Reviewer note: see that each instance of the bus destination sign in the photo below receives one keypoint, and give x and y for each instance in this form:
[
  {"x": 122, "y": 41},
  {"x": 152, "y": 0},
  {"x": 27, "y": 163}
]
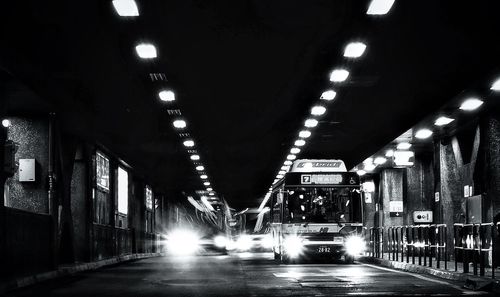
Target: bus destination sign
[{"x": 321, "y": 179}]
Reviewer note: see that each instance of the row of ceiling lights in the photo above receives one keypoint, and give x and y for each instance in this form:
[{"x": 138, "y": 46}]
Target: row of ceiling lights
[
  {"x": 353, "y": 50},
  {"x": 128, "y": 8},
  {"x": 402, "y": 154}
]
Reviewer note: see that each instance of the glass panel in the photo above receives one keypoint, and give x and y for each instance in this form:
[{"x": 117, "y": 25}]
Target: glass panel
[
  {"x": 149, "y": 198},
  {"x": 323, "y": 205},
  {"x": 122, "y": 191},
  {"x": 102, "y": 171}
]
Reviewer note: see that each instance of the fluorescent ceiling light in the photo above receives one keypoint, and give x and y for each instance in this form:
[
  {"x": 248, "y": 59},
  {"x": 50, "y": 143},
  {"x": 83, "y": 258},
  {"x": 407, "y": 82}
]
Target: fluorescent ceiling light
[
  {"x": 126, "y": 8},
  {"x": 282, "y": 172},
  {"x": 211, "y": 194},
  {"x": 380, "y": 160},
  {"x": 206, "y": 183},
  {"x": 287, "y": 163},
  {"x": 471, "y": 104},
  {"x": 328, "y": 95},
  {"x": 389, "y": 153},
  {"x": 146, "y": 51},
  {"x": 285, "y": 168},
  {"x": 203, "y": 176},
  {"x": 200, "y": 168},
  {"x": 279, "y": 176},
  {"x": 361, "y": 172},
  {"x": 379, "y": 7},
  {"x": 179, "y": 124},
  {"x": 496, "y": 86},
  {"x": 354, "y": 50},
  {"x": 311, "y": 123},
  {"x": 304, "y": 134},
  {"x": 210, "y": 189},
  {"x": 300, "y": 142},
  {"x": 423, "y": 134},
  {"x": 402, "y": 158},
  {"x": 188, "y": 143},
  {"x": 291, "y": 157},
  {"x": 6, "y": 123},
  {"x": 369, "y": 167},
  {"x": 368, "y": 160},
  {"x": 318, "y": 110},
  {"x": 294, "y": 150},
  {"x": 339, "y": 75},
  {"x": 195, "y": 157},
  {"x": 403, "y": 145},
  {"x": 443, "y": 121},
  {"x": 166, "y": 95}
]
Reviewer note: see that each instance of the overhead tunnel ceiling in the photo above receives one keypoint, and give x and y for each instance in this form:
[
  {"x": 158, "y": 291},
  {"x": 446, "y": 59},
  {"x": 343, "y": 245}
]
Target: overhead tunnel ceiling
[{"x": 245, "y": 74}]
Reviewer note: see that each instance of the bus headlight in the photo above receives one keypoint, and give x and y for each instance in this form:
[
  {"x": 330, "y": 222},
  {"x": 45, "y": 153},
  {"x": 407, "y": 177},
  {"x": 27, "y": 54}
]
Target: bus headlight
[
  {"x": 220, "y": 241},
  {"x": 293, "y": 246},
  {"x": 267, "y": 241},
  {"x": 244, "y": 243},
  {"x": 354, "y": 245},
  {"x": 182, "y": 242}
]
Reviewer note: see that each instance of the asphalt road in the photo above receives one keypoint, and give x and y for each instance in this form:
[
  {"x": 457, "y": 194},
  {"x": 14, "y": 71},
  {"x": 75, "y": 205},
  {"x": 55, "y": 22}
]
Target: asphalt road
[{"x": 243, "y": 275}]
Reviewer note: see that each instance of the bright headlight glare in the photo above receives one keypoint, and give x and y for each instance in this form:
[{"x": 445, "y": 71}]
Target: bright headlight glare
[
  {"x": 244, "y": 243},
  {"x": 293, "y": 246},
  {"x": 354, "y": 245},
  {"x": 182, "y": 242},
  {"x": 267, "y": 241},
  {"x": 220, "y": 241}
]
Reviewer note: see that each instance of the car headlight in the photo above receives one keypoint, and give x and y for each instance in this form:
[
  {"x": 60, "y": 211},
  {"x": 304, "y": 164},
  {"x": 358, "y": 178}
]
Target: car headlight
[
  {"x": 354, "y": 245},
  {"x": 182, "y": 242},
  {"x": 244, "y": 243},
  {"x": 293, "y": 246},
  {"x": 220, "y": 241}
]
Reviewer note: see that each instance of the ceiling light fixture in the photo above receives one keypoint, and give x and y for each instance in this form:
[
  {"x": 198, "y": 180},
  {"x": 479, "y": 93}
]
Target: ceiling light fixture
[
  {"x": 195, "y": 157},
  {"x": 496, "y": 86},
  {"x": 318, "y": 110},
  {"x": 146, "y": 51},
  {"x": 210, "y": 189},
  {"x": 389, "y": 153},
  {"x": 294, "y": 150},
  {"x": 354, "y": 50},
  {"x": 167, "y": 96},
  {"x": 287, "y": 163},
  {"x": 304, "y": 134},
  {"x": 361, "y": 172},
  {"x": 281, "y": 172},
  {"x": 423, "y": 134},
  {"x": 127, "y": 8},
  {"x": 300, "y": 142},
  {"x": 471, "y": 104},
  {"x": 328, "y": 95},
  {"x": 369, "y": 167},
  {"x": 443, "y": 121},
  {"x": 180, "y": 124},
  {"x": 291, "y": 157},
  {"x": 279, "y": 176},
  {"x": 6, "y": 123},
  {"x": 200, "y": 168},
  {"x": 379, "y": 160},
  {"x": 203, "y": 176},
  {"x": 403, "y": 145},
  {"x": 285, "y": 168},
  {"x": 311, "y": 123},
  {"x": 379, "y": 7},
  {"x": 339, "y": 75},
  {"x": 206, "y": 183},
  {"x": 188, "y": 143}
]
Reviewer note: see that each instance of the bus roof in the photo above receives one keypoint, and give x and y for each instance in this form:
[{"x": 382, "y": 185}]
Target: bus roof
[{"x": 318, "y": 165}]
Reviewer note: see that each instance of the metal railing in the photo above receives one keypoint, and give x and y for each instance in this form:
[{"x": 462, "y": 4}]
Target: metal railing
[
  {"x": 427, "y": 245},
  {"x": 422, "y": 243},
  {"x": 474, "y": 243}
]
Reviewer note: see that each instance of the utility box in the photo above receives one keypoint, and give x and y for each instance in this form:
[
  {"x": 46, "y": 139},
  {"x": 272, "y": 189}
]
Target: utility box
[
  {"x": 422, "y": 216},
  {"x": 27, "y": 170}
]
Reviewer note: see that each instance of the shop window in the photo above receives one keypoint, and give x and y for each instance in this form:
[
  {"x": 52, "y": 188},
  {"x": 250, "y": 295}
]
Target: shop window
[
  {"x": 101, "y": 195},
  {"x": 122, "y": 191},
  {"x": 102, "y": 171}
]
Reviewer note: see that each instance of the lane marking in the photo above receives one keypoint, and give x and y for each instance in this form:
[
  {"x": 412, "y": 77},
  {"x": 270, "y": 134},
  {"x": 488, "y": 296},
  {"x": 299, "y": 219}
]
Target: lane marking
[{"x": 464, "y": 291}]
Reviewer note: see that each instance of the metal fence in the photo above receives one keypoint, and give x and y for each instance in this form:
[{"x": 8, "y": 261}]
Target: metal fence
[{"x": 427, "y": 245}]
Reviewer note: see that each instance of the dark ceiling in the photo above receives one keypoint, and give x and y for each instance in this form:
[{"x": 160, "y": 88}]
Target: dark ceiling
[{"x": 245, "y": 75}]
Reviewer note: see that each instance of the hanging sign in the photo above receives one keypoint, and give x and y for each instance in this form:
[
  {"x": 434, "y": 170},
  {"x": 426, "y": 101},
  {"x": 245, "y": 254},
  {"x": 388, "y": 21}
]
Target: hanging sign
[{"x": 396, "y": 208}]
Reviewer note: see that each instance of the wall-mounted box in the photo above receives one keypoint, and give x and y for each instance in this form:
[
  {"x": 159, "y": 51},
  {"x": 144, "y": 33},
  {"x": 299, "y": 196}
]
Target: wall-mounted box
[
  {"x": 27, "y": 170},
  {"x": 422, "y": 216}
]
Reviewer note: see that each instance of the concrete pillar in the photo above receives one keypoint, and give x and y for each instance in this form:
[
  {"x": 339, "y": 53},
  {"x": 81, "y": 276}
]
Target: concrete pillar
[
  {"x": 391, "y": 189},
  {"x": 419, "y": 187},
  {"x": 491, "y": 146}
]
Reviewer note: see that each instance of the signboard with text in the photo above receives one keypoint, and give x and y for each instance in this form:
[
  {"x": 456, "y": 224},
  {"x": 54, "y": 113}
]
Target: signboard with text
[{"x": 396, "y": 208}]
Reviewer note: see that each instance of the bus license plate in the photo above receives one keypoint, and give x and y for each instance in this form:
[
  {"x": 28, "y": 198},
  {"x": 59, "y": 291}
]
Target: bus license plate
[{"x": 323, "y": 249}]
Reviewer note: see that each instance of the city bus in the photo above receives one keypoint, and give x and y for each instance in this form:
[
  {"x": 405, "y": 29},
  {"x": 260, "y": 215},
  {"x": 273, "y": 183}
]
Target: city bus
[{"x": 316, "y": 210}]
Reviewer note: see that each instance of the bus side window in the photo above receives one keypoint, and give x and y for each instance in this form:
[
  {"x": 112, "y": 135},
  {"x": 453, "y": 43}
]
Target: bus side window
[{"x": 276, "y": 208}]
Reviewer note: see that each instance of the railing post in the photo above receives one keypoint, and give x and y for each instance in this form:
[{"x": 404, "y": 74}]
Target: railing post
[{"x": 445, "y": 247}]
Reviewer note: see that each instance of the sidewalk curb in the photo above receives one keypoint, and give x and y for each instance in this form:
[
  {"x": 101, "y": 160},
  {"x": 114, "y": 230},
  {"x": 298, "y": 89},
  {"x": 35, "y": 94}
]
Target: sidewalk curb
[
  {"x": 66, "y": 271},
  {"x": 471, "y": 282}
]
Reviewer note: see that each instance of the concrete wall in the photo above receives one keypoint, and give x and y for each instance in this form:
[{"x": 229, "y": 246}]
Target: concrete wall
[
  {"x": 32, "y": 137},
  {"x": 79, "y": 208}
]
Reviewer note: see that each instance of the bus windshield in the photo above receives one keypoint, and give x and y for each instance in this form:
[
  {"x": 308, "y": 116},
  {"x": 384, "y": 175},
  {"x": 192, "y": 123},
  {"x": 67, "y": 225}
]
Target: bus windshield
[{"x": 322, "y": 205}]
